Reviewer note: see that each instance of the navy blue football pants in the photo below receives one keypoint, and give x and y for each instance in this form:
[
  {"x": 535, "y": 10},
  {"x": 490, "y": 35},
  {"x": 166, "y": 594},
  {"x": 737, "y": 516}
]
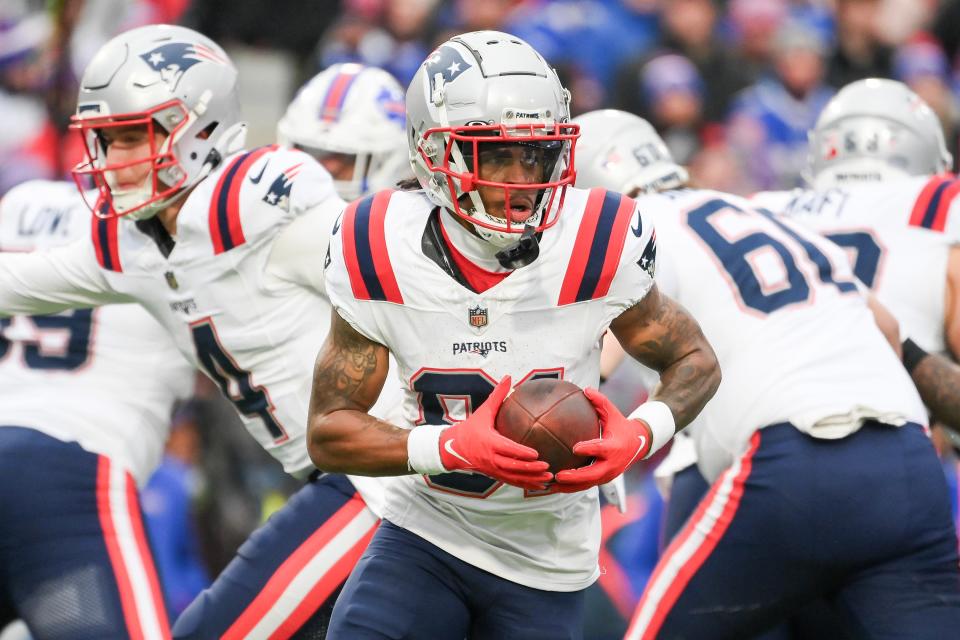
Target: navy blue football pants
[
  {"x": 286, "y": 576},
  {"x": 407, "y": 588},
  {"x": 75, "y": 563},
  {"x": 863, "y": 522}
]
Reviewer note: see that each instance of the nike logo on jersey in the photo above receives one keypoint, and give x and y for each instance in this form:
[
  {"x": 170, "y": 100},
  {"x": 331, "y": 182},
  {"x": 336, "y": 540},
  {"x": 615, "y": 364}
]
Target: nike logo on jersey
[
  {"x": 638, "y": 230},
  {"x": 256, "y": 180},
  {"x": 448, "y": 445},
  {"x": 336, "y": 225}
]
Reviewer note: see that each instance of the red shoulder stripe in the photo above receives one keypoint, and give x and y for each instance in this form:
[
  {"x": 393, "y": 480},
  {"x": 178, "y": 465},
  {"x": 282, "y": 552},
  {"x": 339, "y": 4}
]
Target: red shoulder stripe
[
  {"x": 598, "y": 247},
  {"x": 378, "y": 247},
  {"x": 615, "y": 245},
  {"x": 581, "y": 247},
  {"x": 350, "y": 252},
  {"x": 365, "y": 250},
  {"x": 226, "y": 231},
  {"x": 106, "y": 243},
  {"x": 943, "y": 208},
  {"x": 921, "y": 208}
]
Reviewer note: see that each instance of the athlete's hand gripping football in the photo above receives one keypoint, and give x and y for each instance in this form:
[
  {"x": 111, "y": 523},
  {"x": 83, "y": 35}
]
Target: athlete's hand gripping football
[
  {"x": 621, "y": 442},
  {"x": 475, "y": 445}
]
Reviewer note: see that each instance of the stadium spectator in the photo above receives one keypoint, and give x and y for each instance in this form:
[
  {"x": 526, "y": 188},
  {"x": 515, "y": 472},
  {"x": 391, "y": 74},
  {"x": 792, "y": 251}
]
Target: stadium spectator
[
  {"x": 689, "y": 27},
  {"x": 922, "y": 65},
  {"x": 769, "y": 121},
  {"x": 859, "y": 51},
  {"x": 672, "y": 94}
]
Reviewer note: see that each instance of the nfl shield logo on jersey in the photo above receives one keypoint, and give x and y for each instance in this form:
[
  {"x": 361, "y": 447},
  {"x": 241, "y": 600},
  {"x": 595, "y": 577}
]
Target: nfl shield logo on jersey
[{"x": 478, "y": 316}]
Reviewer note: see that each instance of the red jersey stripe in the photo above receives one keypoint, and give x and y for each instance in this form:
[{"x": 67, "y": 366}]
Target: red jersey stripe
[
  {"x": 581, "y": 248},
  {"x": 615, "y": 246},
  {"x": 923, "y": 200},
  {"x": 943, "y": 207},
  {"x": 106, "y": 242},
  {"x": 378, "y": 248},
  {"x": 357, "y": 284}
]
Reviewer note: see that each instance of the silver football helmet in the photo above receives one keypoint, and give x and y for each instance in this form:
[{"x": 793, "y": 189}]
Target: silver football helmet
[
  {"x": 872, "y": 130},
  {"x": 165, "y": 78},
  {"x": 623, "y": 152},
  {"x": 483, "y": 87},
  {"x": 355, "y": 111}
]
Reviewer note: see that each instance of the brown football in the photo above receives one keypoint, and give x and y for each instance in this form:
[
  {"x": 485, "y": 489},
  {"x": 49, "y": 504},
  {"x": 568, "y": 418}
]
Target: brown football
[{"x": 550, "y": 416}]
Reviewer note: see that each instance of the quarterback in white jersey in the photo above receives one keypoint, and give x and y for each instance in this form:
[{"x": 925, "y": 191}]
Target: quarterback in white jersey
[
  {"x": 814, "y": 407},
  {"x": 86, "y": 398},
  {"x": 494, "y": 271},
  {"x": 225, "y": 247}
]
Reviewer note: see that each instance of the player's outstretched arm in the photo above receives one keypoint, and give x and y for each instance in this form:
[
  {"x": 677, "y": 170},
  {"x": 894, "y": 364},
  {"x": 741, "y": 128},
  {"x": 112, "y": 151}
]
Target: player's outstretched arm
[
  {"x": 347, "y": 378},
  {"x": 53, "y": 281},
  {"x": 662, "y": 335}
]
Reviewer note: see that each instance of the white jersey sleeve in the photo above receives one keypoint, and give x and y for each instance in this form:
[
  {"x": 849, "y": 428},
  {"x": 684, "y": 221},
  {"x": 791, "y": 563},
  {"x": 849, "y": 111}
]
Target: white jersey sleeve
[
  {"x": 897, "y": 236},
  {"x": 47, "y": 281},
  {"x": 104, "y": 378},
  {"x": 298, "y": 253}
]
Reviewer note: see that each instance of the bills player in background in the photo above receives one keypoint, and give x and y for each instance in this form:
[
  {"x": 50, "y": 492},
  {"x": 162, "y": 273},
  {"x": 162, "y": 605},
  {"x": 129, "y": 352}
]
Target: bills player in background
[
  {"x": 815, "y": 410},
  {"x": 225, "y": 247},
  {"x": 350, "y": 117},
  {"x": 494, "y": 271},
  {"x": 86, "y": 398}
]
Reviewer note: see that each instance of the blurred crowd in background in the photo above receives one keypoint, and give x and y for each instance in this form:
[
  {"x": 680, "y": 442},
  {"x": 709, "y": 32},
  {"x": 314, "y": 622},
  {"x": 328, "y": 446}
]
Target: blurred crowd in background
[{"x": 732, "y": 86}]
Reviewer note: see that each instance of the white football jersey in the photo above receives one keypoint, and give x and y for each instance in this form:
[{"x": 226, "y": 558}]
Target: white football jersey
[
  {"x": 392, "y": 279},
  {"x": 779, "y": 304},
  {"x": 104, "y": 378},
  {"x": 255, "y": 334},
  {"x": 898, "y": 235}
]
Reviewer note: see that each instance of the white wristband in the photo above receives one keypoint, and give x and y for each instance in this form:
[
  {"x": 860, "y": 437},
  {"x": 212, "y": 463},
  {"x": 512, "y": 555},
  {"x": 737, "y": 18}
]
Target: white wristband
[
  {"x": 423, "y": 449},
  {"x": 659, "y": 418}
]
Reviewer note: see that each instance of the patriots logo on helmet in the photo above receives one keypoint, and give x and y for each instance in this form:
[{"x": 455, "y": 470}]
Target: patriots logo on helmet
[
  {"x": 446, "y": 62},
  {"x": 173, "y": 59},
  {"x": 278, "y": 195}
]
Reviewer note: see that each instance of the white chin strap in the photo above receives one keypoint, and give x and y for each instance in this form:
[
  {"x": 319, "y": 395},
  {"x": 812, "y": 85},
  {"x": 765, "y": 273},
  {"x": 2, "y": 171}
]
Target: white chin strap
[{"x": 501, "y": 239}]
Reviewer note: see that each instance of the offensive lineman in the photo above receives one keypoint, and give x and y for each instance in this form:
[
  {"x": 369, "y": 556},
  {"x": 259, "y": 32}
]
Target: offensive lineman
[
  {"x": 223, "y": 246},
  {"x": 494, "y": 272},
  {"x": 814, "y": 410},
  {"x": 86, "y": 398},
  {"x": 881, "y": 188}
]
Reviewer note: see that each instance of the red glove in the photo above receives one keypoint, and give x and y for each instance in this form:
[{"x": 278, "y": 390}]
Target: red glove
[
  {"x": 622, "y": 441},
  {"x": 474, "y": 445}
]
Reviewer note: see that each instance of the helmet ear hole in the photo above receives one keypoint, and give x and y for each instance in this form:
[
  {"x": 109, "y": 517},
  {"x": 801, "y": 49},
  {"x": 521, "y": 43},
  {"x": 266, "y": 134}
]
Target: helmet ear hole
[{"x": 207, "y": 131}]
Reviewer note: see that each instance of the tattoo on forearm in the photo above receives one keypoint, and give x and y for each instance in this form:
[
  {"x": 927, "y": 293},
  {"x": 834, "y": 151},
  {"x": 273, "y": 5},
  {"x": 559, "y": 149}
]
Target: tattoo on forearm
[
  {"x": 670, "y": 341},
  {"x": 344, "y": 365},
  {"x": 938, "y": 381}
]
